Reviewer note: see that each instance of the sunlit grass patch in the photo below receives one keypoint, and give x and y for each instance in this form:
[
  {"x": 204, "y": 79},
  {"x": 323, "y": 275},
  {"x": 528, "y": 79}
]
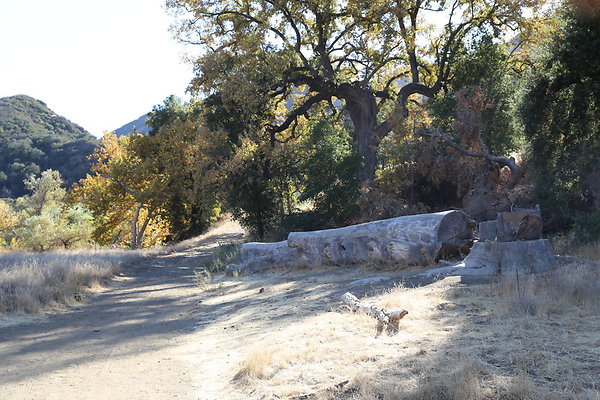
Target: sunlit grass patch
[{"x": 30, "y": 282}]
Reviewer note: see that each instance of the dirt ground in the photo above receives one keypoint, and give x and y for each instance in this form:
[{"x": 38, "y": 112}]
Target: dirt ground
[
  {"x": 155, "y": 334},
  {"x": 126, "y": 342}
]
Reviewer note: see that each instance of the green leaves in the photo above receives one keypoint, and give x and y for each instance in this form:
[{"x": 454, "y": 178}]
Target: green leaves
[
  {"x": 562, "y": 119},
  {"x": 44, "y": 220},
  {"x": 330, "y": 172}
]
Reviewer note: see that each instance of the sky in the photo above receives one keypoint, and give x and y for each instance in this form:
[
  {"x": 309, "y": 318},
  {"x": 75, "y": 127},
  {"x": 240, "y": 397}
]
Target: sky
[{"x": 100, "y": 64}]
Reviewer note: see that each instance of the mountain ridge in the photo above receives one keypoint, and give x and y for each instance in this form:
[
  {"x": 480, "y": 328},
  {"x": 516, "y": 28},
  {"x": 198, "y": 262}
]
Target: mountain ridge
[
  {"x": 139, "y": 125},
  {"x": 34, "y": 138}
]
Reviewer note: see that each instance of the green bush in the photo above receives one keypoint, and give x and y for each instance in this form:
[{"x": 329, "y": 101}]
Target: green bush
[{"x": 587, "y": 227}]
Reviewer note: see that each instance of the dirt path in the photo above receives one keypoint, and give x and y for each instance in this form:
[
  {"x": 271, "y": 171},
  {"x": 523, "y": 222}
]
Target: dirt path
[
  {"x": 124, "y": 343},
  {"x": 155, "y": 334}
]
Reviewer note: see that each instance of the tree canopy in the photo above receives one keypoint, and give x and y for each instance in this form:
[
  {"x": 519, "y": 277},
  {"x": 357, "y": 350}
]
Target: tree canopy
[
  {"x": 561, "y": 114},
  {"x": 372, "y": 55}
]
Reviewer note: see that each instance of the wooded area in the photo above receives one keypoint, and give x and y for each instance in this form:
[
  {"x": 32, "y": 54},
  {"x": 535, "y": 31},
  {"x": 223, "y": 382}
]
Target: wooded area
[{"x": 315, "y": 114}]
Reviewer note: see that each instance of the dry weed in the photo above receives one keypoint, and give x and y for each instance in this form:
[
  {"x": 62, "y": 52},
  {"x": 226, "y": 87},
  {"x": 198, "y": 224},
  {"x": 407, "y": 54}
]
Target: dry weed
[
  {"x": 589, "y": 251},
  {"x": 575, "y": 284},
  {"x": 29, "y": 282},
  {"x": 257, "y": 364},
  {"x": 535, "y": 340}
]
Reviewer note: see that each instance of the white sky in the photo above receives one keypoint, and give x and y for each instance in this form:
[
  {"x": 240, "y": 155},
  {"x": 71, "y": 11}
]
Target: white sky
[{"x": 100, "y": 64}]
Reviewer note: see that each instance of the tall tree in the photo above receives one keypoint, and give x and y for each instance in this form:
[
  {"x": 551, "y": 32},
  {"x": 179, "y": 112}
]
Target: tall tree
[
  {"x": 373, "y": 55},
  {"x": 123, "y": 190},
  {"x": 562, "y": 116}
]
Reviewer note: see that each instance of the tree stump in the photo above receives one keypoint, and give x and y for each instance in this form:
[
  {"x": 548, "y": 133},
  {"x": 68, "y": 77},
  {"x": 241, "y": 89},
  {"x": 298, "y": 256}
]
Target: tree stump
[{"x": 488, "y": 259}]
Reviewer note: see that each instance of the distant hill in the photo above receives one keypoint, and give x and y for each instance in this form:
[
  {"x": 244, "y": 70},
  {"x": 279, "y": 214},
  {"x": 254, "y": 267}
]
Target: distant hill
[
  {"x": 139, "y": 125},
  {"x": 33, "y": 138}
]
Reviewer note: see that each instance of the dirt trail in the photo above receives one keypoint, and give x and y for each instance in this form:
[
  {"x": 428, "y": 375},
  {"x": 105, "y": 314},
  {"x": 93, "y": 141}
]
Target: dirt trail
[
  {"x": 124, "y": 343},
  {"x": 155, "y": 334}
]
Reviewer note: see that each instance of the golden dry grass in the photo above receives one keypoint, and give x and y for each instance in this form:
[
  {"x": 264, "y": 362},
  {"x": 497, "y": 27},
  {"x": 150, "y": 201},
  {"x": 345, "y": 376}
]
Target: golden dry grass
[
  {"x": 540, "y": 340},
  {"x": 30, "y": 282},
  {"x": 588, "y": 251}
]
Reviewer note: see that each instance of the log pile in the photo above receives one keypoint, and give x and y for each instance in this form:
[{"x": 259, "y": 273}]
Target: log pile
[{"x": 407, "y": 240}]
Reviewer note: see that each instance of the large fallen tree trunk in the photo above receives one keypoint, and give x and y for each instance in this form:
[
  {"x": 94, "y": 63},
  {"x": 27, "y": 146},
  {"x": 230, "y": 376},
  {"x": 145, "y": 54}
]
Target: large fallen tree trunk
[
  {"x": 412, "y": 239},
  {"x": 408, "y": 240},
  {"x": 385, "y": 319},
  {"x": 257, "y": 257}
]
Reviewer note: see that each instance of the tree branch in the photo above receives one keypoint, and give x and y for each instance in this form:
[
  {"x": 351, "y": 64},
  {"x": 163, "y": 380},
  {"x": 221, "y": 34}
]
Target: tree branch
[{"x": 499, "y": 161}]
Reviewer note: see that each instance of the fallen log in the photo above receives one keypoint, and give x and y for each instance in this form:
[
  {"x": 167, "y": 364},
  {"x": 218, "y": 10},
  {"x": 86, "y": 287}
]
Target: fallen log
[
  {"x": 257, "y": 257},
  {"x": 385, "y": 319},
  {"x": 408, "y": 240}
]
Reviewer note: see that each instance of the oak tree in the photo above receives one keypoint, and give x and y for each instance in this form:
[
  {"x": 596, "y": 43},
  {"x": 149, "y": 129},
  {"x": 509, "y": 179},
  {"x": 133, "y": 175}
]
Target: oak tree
[{"x": 370, "y": 55}]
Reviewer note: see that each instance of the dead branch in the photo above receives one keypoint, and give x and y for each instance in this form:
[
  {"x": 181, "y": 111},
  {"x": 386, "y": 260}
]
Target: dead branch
[
  {"x": 389, "y": 320},
  {"x": 499, "y": 161}
]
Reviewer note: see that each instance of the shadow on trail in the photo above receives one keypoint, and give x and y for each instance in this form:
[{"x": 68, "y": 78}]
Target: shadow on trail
[{"x": 149, "y": 310}]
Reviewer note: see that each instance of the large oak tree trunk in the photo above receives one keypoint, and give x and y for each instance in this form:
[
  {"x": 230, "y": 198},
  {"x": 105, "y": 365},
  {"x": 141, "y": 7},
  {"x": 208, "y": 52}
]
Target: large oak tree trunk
[{"x": 362, "y": 107}]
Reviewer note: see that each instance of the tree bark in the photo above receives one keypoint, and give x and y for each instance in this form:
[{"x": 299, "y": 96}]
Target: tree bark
[
  {"x": 361, "y": 104},
  {"x": 488, "y": 259},
  {"x": 408, "y": 240},
  {"x": 134, "y": 224},
  {"x": 257, "y": 257}
]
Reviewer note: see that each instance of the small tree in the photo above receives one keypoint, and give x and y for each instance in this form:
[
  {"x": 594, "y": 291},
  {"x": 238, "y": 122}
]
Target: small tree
[
  {"x": 252, "y": 199},
  {"x": 45, "y": 220},
  {"x": 8, "y": 221},
  {"x": 122, "y": 191},
  {"x": 330, "y": 172}
]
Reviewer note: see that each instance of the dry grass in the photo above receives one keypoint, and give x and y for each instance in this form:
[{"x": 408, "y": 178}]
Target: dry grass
[
  {"x": 539, "y": 339},
  {"x": 258, "y": 363},
  {"x": 588, "y": 251},
  {"x": 30, "y": 282},
  {"x": 574, "y": 284},
  {"x": 567, "y": 246}
]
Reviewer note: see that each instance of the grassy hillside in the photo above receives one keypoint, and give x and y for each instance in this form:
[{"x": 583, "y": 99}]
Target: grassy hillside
[{"x": 33, "y": 138}]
